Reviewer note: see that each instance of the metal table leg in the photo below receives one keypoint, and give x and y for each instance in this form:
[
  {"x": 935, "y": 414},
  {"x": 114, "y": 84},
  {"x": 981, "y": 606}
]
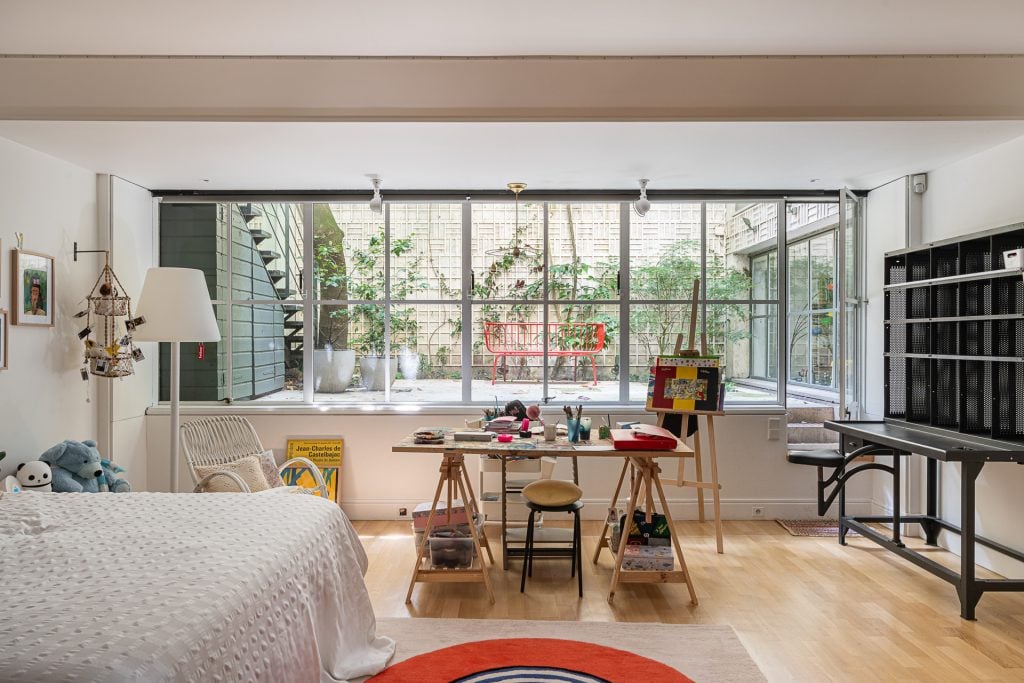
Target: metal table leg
[{"x": 968, "y": 589}]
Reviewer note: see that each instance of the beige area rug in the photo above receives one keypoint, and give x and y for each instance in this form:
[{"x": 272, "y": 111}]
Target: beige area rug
[{"x": 705, "y": 653}]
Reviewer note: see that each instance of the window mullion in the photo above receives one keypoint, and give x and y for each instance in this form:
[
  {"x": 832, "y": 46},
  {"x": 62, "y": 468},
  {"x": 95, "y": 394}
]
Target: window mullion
[
  {"x": 704, "y": 277},
  {"x": 308, "y": 312},
  {"x": 545, "y": 301},
  {"x": 624, "y": 303},
  {"x": 782, "y": 292},
  {"x": 467, "y": 305},
  {"x": 387, "y": 303}
]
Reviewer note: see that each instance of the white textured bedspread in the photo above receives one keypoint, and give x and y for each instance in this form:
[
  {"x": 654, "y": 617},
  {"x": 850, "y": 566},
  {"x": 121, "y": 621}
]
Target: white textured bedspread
[{"x": 182, "y": 587}]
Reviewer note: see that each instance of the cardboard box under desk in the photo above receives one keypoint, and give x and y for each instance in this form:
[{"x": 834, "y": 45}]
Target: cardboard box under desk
[{"x": 422, "y": 511}]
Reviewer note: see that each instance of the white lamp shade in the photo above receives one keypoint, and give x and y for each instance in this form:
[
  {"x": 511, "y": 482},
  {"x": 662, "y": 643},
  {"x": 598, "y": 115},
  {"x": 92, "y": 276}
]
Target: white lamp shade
[{"x": 176, "y": 305}]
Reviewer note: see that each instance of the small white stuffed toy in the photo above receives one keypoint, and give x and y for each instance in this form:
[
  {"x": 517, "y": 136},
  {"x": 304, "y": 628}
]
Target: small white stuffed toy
[{"x": 35, "y": 476}]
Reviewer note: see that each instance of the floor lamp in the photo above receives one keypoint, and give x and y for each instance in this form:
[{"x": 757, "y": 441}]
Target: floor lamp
[{"x": 175, "y": 303}]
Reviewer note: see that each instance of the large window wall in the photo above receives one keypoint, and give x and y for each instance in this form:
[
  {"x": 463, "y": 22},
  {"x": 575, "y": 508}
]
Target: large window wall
[{"x": 329, "y": 302}]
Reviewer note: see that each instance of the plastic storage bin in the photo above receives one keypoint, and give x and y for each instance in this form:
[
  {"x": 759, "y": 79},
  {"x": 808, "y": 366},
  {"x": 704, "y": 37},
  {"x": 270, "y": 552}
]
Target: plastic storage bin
[
  {"x": 461, "y": 530},
  {"x": 450, "y": 550}
]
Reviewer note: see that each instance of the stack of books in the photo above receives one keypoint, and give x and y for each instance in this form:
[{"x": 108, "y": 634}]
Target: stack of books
[{"x": 506, "y": 424}]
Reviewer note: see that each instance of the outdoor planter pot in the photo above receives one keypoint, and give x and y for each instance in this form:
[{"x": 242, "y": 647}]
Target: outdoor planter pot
[
  {"x": 409, "y": 362},
  {"x": 371, "y": 372},
  {"x": 334, "y": 369}
]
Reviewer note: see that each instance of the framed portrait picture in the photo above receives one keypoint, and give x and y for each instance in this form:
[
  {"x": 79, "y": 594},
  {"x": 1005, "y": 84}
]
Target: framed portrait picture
[
  {"x": 33, "y": 289},
  {"x": 3, "y": 339}
]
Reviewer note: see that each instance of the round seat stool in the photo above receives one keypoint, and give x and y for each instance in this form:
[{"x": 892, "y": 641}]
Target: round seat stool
[{"x": 553, "y": 495}]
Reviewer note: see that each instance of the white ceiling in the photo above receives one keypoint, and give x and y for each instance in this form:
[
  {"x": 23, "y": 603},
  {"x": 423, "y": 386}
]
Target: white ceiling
[
  {"x": 313, "y": 156},
  {"x": 546, "y": 27}
]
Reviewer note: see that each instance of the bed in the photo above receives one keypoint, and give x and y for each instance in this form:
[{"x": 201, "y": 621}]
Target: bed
[{"x": 181, "y": 587}]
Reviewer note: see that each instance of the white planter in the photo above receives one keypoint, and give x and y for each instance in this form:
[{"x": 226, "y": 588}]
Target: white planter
[
  {"x": 334, "y": 369},
  {"x": 409, "y": 363},
  {"x": 372, "y": 372}
]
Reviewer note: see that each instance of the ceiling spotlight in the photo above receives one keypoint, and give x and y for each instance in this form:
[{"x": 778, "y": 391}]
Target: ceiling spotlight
[
  {"x": 642, "y": 205},
  {"x": 376, "y": 203}
]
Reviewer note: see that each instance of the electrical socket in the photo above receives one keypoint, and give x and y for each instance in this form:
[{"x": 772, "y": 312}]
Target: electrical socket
[
  {"x": 403, "y": 512},
  {"x": 757, "y": 511}
]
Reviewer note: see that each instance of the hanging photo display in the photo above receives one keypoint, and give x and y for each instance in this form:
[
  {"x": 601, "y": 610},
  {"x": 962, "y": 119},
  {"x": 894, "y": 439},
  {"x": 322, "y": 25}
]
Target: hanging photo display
[
  {"x": 33, "y": 288},
  {"x": 107, "y": 329}
]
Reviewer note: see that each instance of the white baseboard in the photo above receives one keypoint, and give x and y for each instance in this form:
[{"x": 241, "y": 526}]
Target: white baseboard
[{"x": 597, "y": 508}]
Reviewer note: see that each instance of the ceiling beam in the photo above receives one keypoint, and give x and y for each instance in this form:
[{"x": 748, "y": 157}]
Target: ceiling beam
[{"x": 831, "y": 88}]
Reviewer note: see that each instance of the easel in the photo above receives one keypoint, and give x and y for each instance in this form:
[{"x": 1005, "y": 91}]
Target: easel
[
  {"x": 646, "y": 481},
  {"x": 455, "y": 476},
  {"x": 709, "y": 415}
]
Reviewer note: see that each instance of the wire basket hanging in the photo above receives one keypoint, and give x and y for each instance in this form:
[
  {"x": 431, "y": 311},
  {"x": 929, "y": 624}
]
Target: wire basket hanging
[{"x": 109, "y": 349}]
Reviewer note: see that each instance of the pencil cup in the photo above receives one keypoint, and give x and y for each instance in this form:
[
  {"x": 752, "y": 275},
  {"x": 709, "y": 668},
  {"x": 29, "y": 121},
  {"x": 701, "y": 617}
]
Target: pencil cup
[
  {"x": 574, "y": 430},
  {"x": 550, "y": 432}
]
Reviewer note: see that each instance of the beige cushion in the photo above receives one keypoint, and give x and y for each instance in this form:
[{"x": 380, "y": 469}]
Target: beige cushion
[
  {"x": 270, "y": 469},
  {"x": 248, "y": 468},
  {"x": 552, "y": 492}
]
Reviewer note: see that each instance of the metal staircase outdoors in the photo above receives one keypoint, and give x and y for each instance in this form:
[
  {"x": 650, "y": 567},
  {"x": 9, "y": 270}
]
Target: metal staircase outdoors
[{"x": 279, "y": 242}]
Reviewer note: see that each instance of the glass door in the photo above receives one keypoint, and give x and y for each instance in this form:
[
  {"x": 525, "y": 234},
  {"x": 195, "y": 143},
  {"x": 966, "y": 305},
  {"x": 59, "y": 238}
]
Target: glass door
[{"x": 849, "y": 304}]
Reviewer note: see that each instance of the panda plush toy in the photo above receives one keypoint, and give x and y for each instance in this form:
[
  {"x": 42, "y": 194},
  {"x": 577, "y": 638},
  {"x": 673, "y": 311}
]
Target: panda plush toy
[{"x": 35, "y": 476}]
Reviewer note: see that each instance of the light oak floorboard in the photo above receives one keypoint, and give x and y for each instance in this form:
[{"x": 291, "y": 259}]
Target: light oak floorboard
[{"x": 807, "y": 609}]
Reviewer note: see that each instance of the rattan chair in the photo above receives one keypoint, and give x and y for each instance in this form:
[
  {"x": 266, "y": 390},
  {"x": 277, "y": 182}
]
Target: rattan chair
[{"x": 223, "y": 440}]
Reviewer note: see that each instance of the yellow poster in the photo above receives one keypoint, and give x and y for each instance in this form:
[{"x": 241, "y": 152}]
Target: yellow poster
[{"x": 323, "y": 451}]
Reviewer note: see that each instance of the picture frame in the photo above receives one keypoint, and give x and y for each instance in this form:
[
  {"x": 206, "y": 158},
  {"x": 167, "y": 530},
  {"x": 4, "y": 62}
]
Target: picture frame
[
  {"x": 3, "y": 339},
  {"x": 326, "y": 452},
  {"x": 33, "y": 289}
]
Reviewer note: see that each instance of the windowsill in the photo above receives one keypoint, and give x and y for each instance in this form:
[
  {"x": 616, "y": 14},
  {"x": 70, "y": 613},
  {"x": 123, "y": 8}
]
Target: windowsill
[{"x": 394, "y": 409}]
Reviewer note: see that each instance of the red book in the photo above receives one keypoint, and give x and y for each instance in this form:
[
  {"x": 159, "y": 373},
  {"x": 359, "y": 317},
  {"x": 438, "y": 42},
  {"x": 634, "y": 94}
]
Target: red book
[{"x": 644, "y": 437}]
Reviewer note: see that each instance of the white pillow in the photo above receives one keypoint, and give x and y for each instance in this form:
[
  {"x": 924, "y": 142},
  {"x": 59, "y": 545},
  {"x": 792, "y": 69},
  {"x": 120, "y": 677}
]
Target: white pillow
[
  {"x": 248, "y": 468},
  {"x": 270, "y": 470}
]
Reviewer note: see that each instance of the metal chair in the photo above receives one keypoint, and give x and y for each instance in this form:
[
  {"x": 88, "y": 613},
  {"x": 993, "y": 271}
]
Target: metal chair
[
  {"x": 838, "y": 462},
  {"x": 223, "y": 440}
]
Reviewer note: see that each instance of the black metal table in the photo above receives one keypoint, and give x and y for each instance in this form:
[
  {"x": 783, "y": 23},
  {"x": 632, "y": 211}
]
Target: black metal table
[{"x": 972, "y": 455}]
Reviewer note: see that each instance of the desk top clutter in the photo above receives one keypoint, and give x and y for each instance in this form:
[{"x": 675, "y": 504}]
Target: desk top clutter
[{"x": 445, "y": 442}]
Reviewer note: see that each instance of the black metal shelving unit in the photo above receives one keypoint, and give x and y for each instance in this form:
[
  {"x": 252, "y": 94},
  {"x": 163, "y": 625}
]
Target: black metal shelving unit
[{"x": 954, "y": 335}]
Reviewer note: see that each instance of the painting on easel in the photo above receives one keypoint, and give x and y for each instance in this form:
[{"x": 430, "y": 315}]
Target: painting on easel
[{"x": 684, "y": 385}]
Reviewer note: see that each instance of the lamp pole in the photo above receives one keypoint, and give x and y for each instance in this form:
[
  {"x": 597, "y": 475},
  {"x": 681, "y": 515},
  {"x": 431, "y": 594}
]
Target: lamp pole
[{"x": 175, "y": 412}]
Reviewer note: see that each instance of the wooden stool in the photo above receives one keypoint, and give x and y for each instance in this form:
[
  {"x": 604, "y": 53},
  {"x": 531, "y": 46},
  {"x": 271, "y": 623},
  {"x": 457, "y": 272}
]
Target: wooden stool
[{"x": 549, "y": 495}]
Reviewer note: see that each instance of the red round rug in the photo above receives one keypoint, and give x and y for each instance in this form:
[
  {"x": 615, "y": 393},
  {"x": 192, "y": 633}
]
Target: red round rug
[{"x": 524, "y": 660}]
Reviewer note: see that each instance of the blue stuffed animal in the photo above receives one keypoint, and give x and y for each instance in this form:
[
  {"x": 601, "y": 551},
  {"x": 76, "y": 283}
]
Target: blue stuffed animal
[{"x": 77, "y": 467}]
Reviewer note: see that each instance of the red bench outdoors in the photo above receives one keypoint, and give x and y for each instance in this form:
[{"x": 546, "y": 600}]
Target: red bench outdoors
[{"x": 527, "y": 339}]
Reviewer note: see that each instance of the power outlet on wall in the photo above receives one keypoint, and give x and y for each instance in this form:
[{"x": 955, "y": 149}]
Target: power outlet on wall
[
  {"x": 757, "y": 511},
  {"x": 774, "y": 427},
  {"x": 403, "y": 512}
]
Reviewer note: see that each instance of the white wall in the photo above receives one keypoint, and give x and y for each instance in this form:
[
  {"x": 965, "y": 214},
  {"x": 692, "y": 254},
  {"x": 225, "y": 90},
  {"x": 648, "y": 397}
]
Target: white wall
[
  {"x": 126, "y": 217},
  {"x": 885, "y": 218},
  {"x": 977, "y": 193},
  {"x": 42, "y": 396},
  {"x": 980, "y": 192},
  {"x": 375, "y": 482}
]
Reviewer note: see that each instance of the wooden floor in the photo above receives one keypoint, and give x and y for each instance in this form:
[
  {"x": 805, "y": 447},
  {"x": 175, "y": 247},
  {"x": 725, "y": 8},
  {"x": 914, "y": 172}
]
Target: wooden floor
[{"x": 806, "y": 608}]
